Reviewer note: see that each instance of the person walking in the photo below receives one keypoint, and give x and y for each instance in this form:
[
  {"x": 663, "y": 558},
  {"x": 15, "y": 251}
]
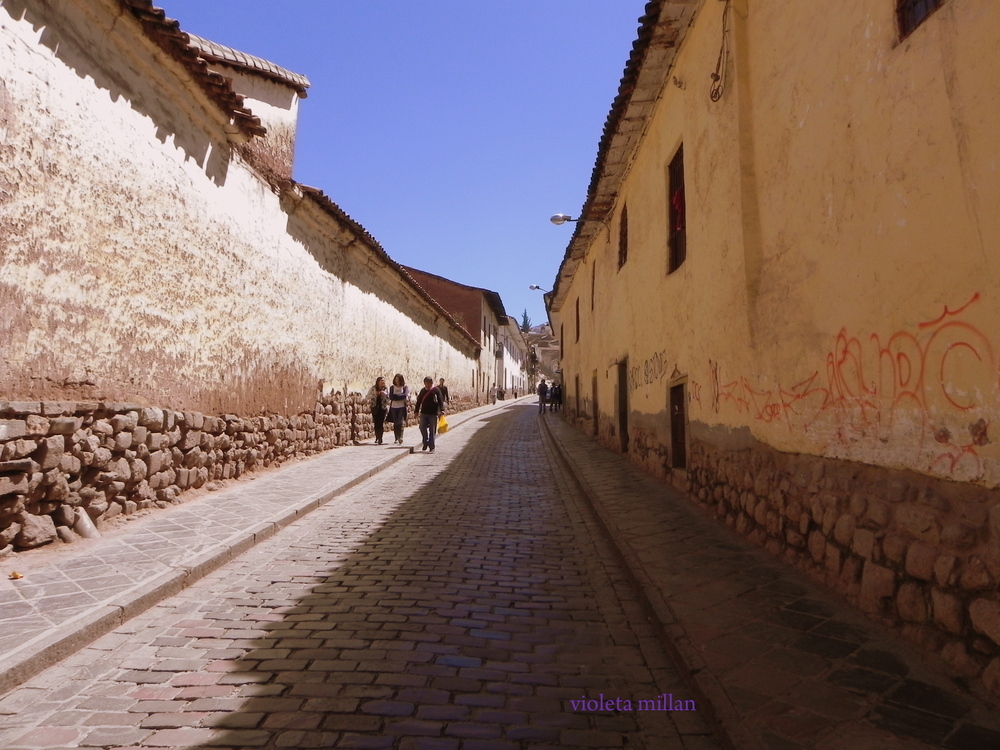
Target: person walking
[
  {"x": 543, "y": 394},
  {"x": 444, "y": 391},
  {"x": 399, "y": 396},
  {"x": 430, "y": 406},
  {"x": 378, "y": 403}
]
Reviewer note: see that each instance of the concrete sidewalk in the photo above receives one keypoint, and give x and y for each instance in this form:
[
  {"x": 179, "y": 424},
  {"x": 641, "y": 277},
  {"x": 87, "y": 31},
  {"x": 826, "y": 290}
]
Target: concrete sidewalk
[
  {"x": 71, "y": 596},
  {"x": 781, "y": 663}
]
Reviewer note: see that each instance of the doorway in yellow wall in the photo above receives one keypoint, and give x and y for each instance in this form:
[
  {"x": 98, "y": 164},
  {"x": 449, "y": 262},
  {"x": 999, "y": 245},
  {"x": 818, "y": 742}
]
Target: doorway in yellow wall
[{"x": 678, "y": 427}]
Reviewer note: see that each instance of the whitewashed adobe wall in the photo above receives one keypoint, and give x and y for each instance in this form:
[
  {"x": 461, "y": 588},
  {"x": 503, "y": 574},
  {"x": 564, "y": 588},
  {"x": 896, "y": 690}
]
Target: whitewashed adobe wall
[{"x": 143, "y": 261}]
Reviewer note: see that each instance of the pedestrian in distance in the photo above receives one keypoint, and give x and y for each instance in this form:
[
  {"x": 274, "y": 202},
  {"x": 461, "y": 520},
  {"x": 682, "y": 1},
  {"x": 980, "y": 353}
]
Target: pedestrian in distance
[
  {"x": 555, "y": 397},
  {"x": 399, "y": 396},
  {"x": 430, "y": 407},
  {"x": 378, "y": 403},
  {"x": 543, "y": 395},
  {"x": 444, "y": 391}
]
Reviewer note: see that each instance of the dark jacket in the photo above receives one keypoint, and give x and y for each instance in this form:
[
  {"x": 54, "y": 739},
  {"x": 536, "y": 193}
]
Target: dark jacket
[{"x": 430, "y": 401}]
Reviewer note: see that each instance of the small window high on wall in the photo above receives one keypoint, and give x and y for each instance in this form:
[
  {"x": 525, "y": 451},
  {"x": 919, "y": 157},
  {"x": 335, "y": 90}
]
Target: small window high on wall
[
  {"x": 911, "y": 13},
  {"x": 676, "y": 212}
]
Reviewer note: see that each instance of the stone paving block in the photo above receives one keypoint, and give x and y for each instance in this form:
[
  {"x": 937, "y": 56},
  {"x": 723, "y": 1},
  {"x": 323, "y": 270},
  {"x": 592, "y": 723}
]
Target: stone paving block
[
  {"x": 476, "y": 744},
  {"x": 233, "y": 720},
  {"x": 350, "y": 722},
  {"x": 590, "y": 738},
  {"x": 414, "y": 727},
  {"x": 365, "y": 742},
  {"x": 48, "y": 737},
  {"x": 471, "y": 730},
  {"x": 426, "y": 743}
]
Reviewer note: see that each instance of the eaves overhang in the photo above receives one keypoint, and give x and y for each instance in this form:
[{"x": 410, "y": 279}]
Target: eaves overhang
[
  {"x": 167, "y": 35},
  {"x": 662, "y": 29},
  {"x": 492, "y": 298},
  {"x": 220, "y": 53}
]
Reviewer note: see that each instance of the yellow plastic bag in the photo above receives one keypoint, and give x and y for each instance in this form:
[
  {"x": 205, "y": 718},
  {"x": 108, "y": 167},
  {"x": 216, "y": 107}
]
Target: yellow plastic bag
[{"x": 442, "y": 424}]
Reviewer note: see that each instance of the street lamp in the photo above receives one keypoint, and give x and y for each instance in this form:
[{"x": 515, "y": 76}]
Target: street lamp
[
  {"x": 536, "y": 288},
  {"x": 561, "y": 219}
]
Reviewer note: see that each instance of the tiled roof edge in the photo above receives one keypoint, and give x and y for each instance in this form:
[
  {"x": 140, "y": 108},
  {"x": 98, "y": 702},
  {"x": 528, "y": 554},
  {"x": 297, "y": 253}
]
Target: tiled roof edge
[
  {"x": 167, "y": 35},
  {"x": 215, "y": 52},
  {"x": 494, "y": 297},
  {"x": 651, "y": 19}
]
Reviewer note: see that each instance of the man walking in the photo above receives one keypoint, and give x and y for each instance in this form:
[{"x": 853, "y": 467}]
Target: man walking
[
  {"x": 430, "y": 405},
  {"x": 543, "y": 394}
]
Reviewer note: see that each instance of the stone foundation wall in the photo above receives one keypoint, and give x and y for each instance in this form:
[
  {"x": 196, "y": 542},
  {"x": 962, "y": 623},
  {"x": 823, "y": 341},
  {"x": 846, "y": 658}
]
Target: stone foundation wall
[
  {"x": 65, "y": 466},
  {"x": 919, "y": 553}
]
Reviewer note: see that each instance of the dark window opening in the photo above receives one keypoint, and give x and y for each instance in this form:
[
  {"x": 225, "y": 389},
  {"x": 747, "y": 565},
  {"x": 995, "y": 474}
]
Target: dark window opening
[
  {"x": 676, "y": 212},
  {"x": 593, "y": 282},
  {"x": 623, "y": 237},
  {"x": 911, "y": 13}
]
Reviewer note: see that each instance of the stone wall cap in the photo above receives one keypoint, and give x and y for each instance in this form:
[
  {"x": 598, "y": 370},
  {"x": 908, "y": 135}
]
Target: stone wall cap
[
  {"x": 119, "y": 406},
  {"x": 20, "y": 407},
  {"x": 215, "y": 52}
]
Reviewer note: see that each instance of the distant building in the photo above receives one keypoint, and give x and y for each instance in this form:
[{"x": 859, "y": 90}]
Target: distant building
[
  {"x": 514, "y": 363},
  {"x": 783, "y": 294},
  {"x": 482, "y": 314},
  {"x": 546, "y": 350}
]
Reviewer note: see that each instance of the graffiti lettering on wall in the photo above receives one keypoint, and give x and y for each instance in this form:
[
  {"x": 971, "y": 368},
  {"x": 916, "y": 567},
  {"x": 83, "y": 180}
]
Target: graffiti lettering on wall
[
  {"x": 650, "y": 371},
  {"x": 694, "y": 392},
  {"x": 716, "y": 392},
  {"x": 933, "y": 388}
]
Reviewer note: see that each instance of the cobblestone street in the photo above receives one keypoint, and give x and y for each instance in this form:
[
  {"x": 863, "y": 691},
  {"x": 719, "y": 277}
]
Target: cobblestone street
[{"x": 459, "y": 601}]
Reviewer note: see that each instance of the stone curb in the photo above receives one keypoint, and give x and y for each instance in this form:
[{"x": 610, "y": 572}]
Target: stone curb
[{"x": 720, "y": 713}]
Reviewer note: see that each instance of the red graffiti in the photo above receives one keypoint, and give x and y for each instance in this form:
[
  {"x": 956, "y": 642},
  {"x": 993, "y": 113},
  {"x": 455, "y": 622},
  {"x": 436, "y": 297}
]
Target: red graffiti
[
  {"x": 713, "y": 368},
  {"x": 694, "y": 392},
  {"x": 912, "y": 380}
]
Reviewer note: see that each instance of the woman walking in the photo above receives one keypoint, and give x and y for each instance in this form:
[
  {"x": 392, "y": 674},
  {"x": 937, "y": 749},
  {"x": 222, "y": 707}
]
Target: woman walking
[
  {"x": 378, "y": 402},
  {"x": 399, "y": 395}
]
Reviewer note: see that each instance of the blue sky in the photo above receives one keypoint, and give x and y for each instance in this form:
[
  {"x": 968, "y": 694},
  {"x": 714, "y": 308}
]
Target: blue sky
[{"x": 450, "y": 129}]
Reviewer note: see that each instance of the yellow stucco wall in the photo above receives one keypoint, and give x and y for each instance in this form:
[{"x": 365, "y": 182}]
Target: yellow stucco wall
[{"x": 839, "y": 296}]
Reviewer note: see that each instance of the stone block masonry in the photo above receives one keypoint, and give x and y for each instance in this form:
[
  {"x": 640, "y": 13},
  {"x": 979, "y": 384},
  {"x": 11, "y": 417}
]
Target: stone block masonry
[
  {"x": 919, "y": 553},
  {"x": 68, "y": 466}
]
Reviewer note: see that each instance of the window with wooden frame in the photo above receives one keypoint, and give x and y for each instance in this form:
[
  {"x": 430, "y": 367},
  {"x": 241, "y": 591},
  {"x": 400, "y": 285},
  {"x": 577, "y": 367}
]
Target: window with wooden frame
[
  {"x": 911, "y": 13},
  {"x": 623, "y": 237},
  {"x": 676, "y": 212}
]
